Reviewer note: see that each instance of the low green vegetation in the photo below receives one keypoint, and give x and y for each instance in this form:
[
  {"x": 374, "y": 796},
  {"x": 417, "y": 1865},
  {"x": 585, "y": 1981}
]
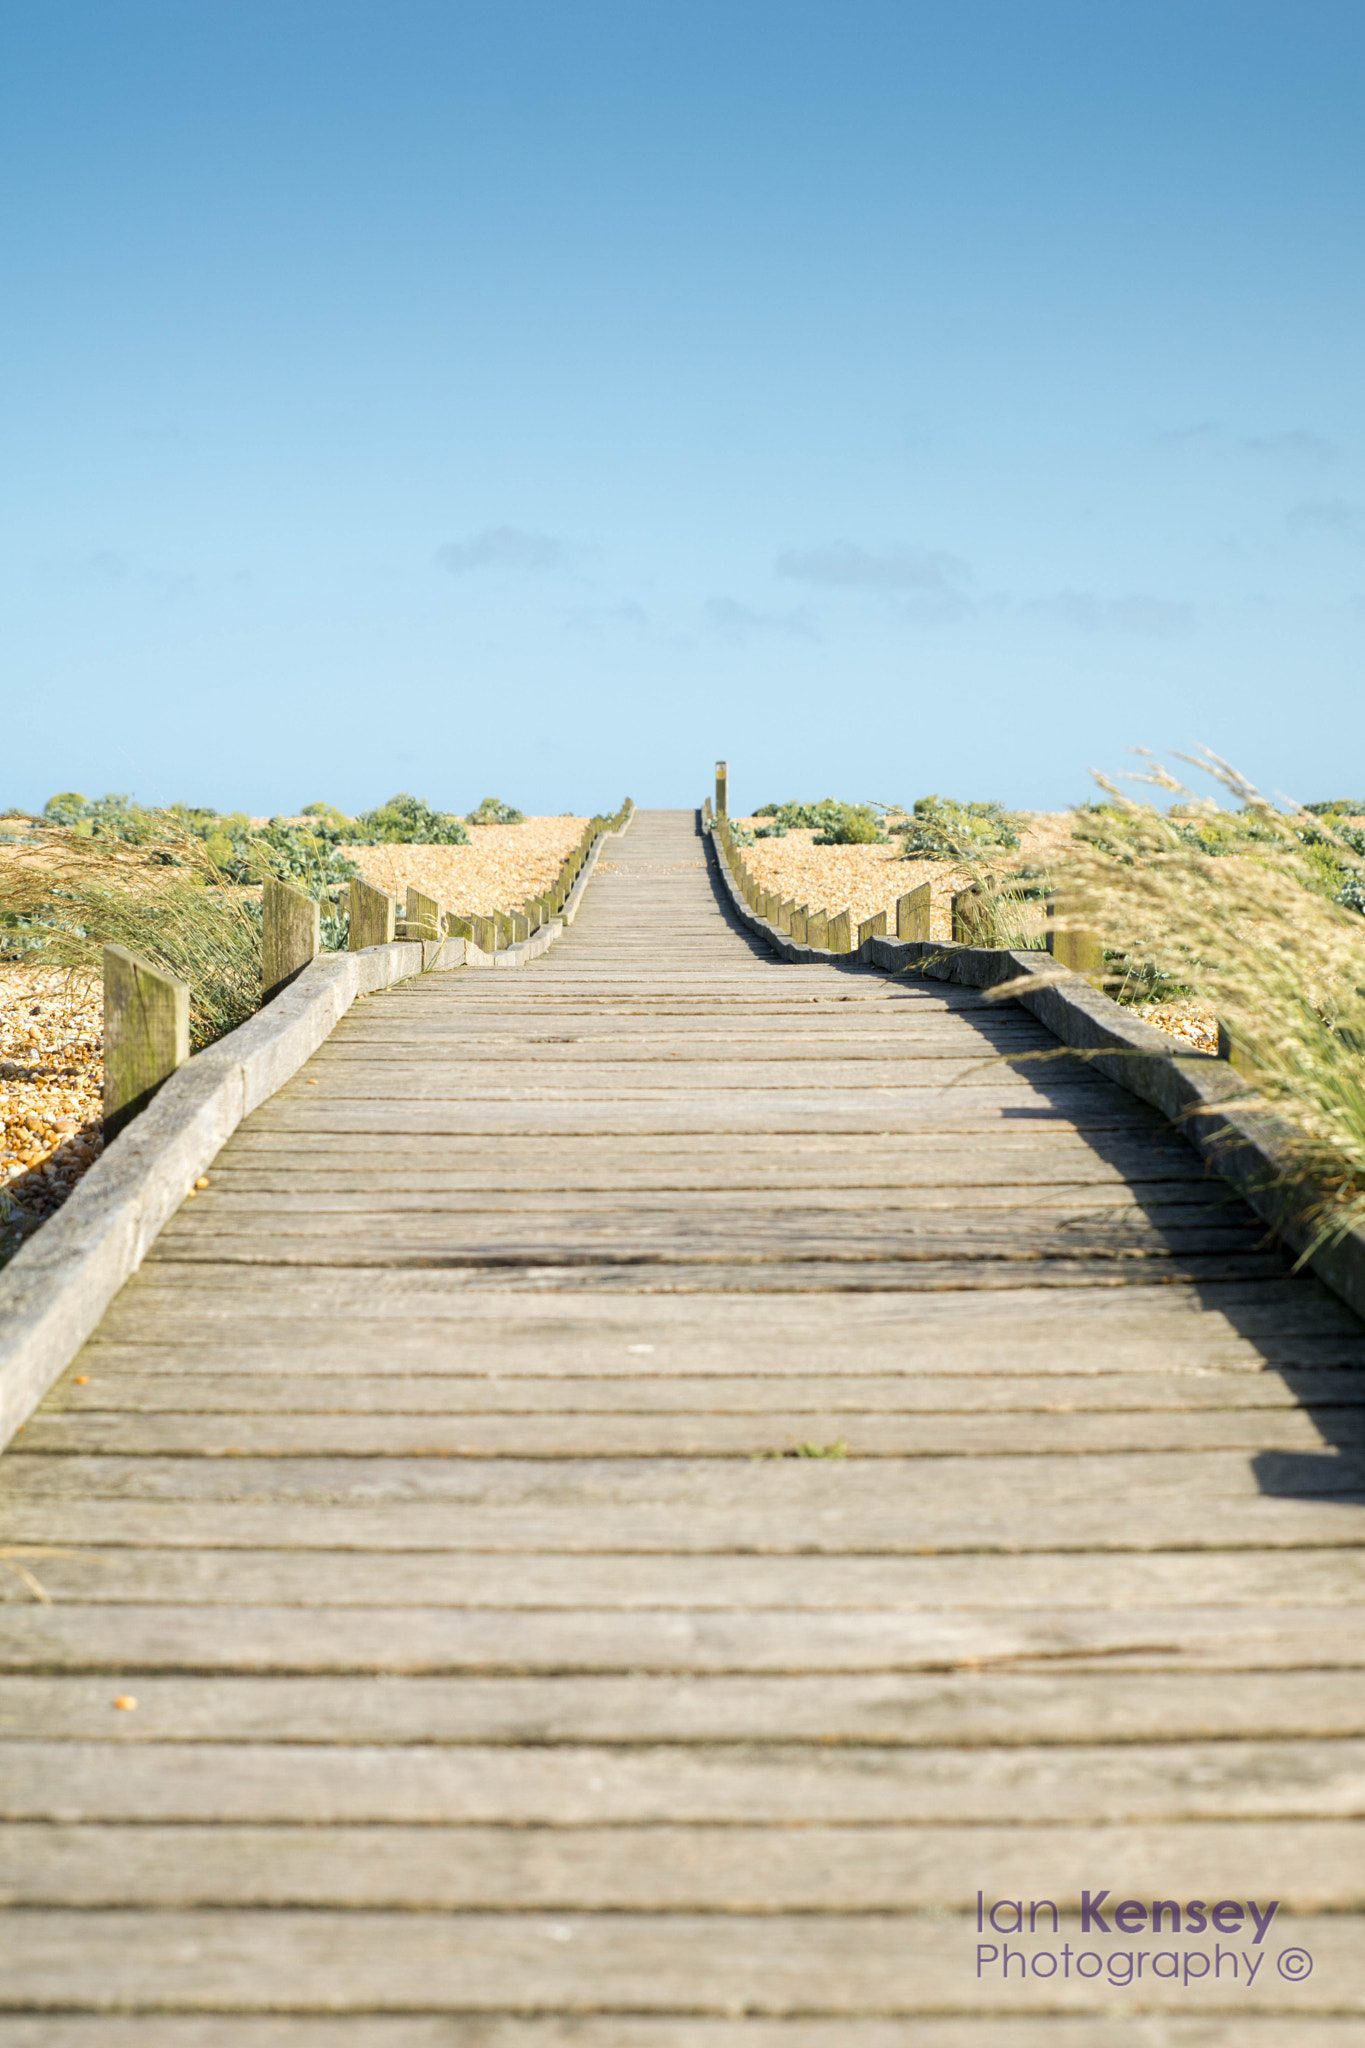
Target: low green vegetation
[
  {"x": 493, "y": 811},
  {"x": 940, "y": 828},
  {"x": 835, "y": 824}
]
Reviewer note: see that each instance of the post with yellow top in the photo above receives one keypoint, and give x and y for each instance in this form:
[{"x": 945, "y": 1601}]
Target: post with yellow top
[
  {"x": 1070, "y": 944},
  {"x": 722, "y": 789}
]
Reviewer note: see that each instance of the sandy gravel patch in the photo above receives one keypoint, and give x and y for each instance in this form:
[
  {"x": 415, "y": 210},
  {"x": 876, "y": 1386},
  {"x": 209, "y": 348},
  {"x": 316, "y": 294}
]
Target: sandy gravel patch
[
  {"x": 51, "y": 1093},
  {"x": 501, "y": 866},
  {"x": 866, "y": 879},
  {"x": 1193, "y": 1023}
]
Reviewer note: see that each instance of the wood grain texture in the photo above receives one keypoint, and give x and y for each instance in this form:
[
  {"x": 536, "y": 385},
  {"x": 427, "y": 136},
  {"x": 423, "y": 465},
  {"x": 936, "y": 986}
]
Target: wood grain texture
[{"x": 630, "y": 1500}]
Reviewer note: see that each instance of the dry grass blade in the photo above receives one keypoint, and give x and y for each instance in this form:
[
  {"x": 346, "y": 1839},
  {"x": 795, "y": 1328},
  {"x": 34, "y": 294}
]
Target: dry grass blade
[{"x": 69, "y": 897}]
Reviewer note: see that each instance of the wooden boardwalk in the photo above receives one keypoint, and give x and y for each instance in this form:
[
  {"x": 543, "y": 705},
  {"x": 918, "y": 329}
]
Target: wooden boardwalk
[{"x": 510, "y": 1674}]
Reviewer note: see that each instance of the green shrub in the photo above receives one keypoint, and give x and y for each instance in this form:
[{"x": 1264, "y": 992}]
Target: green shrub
[
  {"x": 943, "y": 829},
  {"x": 493, "y": 811},
  {"x": 836, "y": 824},
  {"x": 406, "y": 821}
]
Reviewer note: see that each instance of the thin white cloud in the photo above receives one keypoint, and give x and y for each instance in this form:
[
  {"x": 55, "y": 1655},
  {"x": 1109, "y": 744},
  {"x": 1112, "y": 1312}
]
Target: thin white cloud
[
  {"x": 897, "y": 571},
  {"x": 732, "y": 620},
  {"x": 1137, "y": 615},
  {"x": 1329, "y": 515},
  {"x": 501, "y": 547},
  {"x": 1300, "y": 444}
]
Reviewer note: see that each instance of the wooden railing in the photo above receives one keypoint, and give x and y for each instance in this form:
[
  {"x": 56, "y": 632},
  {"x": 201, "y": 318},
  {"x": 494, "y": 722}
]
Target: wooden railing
[{"x": 146, "y": 1011}]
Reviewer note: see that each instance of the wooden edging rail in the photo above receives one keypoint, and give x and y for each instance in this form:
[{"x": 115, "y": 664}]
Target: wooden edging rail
[
  {"x": 1234, "y": 1129},
  {"x": 58, "y": 1285}
]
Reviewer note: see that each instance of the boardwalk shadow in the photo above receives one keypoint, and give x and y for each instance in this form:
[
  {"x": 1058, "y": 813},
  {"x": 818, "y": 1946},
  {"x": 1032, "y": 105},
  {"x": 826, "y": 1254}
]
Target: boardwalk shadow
[{"x": 1290, "y": 1320}]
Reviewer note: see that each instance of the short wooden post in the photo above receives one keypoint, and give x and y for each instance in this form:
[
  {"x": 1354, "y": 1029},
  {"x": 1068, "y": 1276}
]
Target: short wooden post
[
  {"x": 373, "y": 916},
  {"x": 785, "y": 912},
  {"x": 1072, "y": 946},
  {"x": 800, "y": 913},
  {"x": 706, "y": 813},
  {"x": 873, "y": 927},
  {"x": 912, "y": 914},
  {"x": 459, "y": 927},
  {"x": 817, "y": 929},
  {"x": 1238, "y": 1055},
  {"x": 146, "y": 1034},
  {"x": 969, "y": 917},
  {"x": 423, "y": 918},
  {"x": 521, "y": 927},
  {"x": 485, "y": 933},
  {"x": 722, "y": 789},
  {"x": 839, "y": 937},
  {"x": 291, "y": 933}
]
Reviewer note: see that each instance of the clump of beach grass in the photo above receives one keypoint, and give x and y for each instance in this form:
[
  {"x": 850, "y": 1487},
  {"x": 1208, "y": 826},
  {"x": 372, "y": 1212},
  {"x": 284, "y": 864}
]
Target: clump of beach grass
[
  {"x": 64, "y": 896},
  {"x": 1233, "y": 907}
]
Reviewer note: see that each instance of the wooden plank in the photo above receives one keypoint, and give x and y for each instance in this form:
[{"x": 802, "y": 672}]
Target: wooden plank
[
  {"x": 622, "y": 1962},
  {"x": 1005, "y": 1525},
  {"x": 115, "y": 1384},
  {"x": 968, "y": 1710},
  {"x": 877, "y": 1435},
  {"x": 413, "y": 1641},
  {"x": 717, "y": 1870},
  {"x": 868, "y": 1788},
  {"x": 476, "y": 1578}
]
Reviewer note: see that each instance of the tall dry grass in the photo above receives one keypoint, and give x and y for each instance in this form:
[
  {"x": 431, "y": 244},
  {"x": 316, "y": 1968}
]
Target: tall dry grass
[
  {"x": 64, "y": 897},
  {"x": 1252, "y": 932}
]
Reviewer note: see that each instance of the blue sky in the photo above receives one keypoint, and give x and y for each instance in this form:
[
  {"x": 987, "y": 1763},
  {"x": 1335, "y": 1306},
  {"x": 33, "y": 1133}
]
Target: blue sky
[{"x": 545, "y": 398}]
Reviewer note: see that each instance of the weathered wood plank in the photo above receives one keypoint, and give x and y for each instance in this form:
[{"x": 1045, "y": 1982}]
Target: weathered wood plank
[
  {"x": 878, "y": 1435},
  {"x": 1000, "y": 1523},
  {"x": 308, "y": 1576},
  {"x": 981, "y": 1707},
  {"x": 412, "y": 1641},
  {"x": 866, "y": 1788},
  {"x": 131, "y": 1384},
  {"x": 718, "y": 1870},
  {"x": 626, "y": 1962}
]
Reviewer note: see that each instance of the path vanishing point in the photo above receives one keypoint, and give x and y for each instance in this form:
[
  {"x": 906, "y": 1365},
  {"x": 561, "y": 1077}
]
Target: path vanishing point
[{"x": 642, "y": 1487}]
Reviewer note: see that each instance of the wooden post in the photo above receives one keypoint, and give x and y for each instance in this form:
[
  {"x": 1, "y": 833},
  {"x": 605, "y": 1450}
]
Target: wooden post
[
  {"x": 969, "y": 915},
  {"x": 485, "y": 933},
  {"x": 504, "y": 928},
  {"x": 800, "y": 913},
  {"x": 912, "y": 914},
  {"x": 705, "y": 813},
  {"x": 722, "y": 789},
  {"x": 146, "y": 1034},
  {"x": 423, "y": 918},
  {"x": 373, "y": 915},
  {"x": 839, "y": 937},
  {"x": 521, "y": 927},
  {"x": 785, "y": 912},
  {"x": 291, "y": 933},
  {"x": 872, "y": 928},
  {"x": 817, "y": 928},
  {"x": 1073, "y": 947},
  {"x": 1238, "y": 1055},
  {"x": 459, "y": 927}
]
